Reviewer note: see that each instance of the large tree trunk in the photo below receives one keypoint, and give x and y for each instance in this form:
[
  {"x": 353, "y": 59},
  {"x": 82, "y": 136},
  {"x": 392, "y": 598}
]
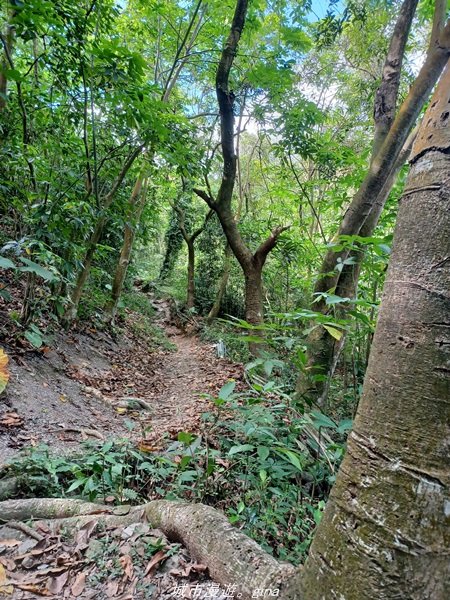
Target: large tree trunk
[
  {"x": 384, "y": 534},
  {"x": 253, "y": 295}
]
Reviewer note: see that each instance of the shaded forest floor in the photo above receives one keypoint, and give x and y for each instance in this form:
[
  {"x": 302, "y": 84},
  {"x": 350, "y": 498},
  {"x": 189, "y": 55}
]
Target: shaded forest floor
[{"x": 94, "y": 384}]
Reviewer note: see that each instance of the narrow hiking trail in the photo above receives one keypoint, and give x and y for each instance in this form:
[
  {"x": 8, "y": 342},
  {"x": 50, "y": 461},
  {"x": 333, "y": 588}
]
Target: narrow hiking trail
[
  {"x": 177, "y": 385},
  {"x": 90, "y": 384}
]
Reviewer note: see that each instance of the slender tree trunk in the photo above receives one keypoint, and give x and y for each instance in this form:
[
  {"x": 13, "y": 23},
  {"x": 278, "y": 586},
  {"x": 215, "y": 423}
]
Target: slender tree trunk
[
  {"x": 383, "y": 163},
  {"x": 361, "y": 217},
  {"x": 7, "y": 43},
  {"x": 215, "y": 310},
  {"x": 384, "y": 534},
  {"x": 77, "y": 291},
  {"x": 107, "y": 200},
  {"x": 323, "y": 349},
  {"x": 190, "y": 301},
  {"x": 137, "y": 203},
  {"x": 174, "y": 73}
]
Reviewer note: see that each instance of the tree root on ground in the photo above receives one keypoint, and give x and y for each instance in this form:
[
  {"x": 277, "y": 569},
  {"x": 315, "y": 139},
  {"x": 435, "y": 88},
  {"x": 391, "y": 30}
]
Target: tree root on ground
[{"x": 232, "y": 558}]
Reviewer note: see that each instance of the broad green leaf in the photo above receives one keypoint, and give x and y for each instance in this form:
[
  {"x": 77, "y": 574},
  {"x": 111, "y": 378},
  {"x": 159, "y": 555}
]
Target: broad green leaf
[
  {"x": 293, "y": 457},
  {"x": 226, "y": 390},
  {"x": 321, "y": 420},
  {"x": 345, "y": 425},
  {"x": 34, "y": 338},
  {"x": 334, "y": 332},
  {"x": 333, "y": 299},
  {"x": 185, "y": 438},
  {"x": 241, "y": 448},
  {"x": 76, "y": 484},
  {"x": 33, "y": 267},
  {"x": 5, "y": 263},
  {"x": 263, "y": 453}
]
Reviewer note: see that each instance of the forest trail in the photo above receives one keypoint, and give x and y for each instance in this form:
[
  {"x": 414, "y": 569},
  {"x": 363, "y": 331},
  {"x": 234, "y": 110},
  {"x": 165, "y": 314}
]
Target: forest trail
[
  {"x": 89, "y": 385},
  {"x": 182, "y": 381}
]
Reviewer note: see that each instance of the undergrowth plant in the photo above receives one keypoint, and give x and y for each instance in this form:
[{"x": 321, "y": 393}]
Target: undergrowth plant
[{"x": 262, "y": 460}]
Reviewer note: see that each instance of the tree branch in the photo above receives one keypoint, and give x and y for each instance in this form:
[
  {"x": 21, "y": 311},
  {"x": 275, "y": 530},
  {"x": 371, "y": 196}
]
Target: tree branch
[
  {"x": 268, "y": 244},
  {"x": 121, "y": 176},
  {"x": 387, "y": 93},
  {"x": 204, "y": 196}
]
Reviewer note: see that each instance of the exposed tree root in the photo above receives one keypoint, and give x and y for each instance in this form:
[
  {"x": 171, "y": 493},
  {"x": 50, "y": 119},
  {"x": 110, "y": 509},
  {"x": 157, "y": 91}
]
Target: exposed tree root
[
  {"x": 232, "y": 558},
  {"x": 8, "y": 487}
]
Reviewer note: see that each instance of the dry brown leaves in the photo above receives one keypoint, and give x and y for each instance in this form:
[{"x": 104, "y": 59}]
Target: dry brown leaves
[
  {"x": 130, "y": 562},
  {"x": 11, "y": 419}
]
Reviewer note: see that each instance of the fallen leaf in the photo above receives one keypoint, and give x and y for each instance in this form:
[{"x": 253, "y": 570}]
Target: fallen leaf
[
  {"x": 56, "y": 584},
  {"x": 156, "y": 558},
  {"x": 9, "y": 543},
  {"x": 37, "y": 550},
  {"x": 127, "y": 566},
  {"x": 32, "y": 587},
  {"x": 78, "y": 585},
  {"x": 5, "y": 587},
  {"x": 11, "y": 419},
  {"x": 111, "y": 589},
  {"x": 83, "y": 535},
  {"x": 8, "y": 563},
  {"x": 4, "y": 374}
]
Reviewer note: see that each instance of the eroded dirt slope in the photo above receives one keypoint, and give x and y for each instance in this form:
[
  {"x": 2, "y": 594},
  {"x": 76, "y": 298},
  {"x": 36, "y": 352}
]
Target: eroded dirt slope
[{"x": 89, "y": 383}]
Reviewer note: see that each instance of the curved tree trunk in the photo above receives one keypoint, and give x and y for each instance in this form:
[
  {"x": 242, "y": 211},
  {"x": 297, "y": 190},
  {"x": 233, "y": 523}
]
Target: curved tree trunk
[
  {"x": 384, "y": 534},
  {"x": 251, "y": 263}
]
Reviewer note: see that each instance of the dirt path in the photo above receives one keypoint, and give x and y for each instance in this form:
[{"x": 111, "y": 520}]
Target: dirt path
[
  {"x": 177, "y": 385},
  {"x": 81, "y": 387},
  {"x": 77, "y": 389}
]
